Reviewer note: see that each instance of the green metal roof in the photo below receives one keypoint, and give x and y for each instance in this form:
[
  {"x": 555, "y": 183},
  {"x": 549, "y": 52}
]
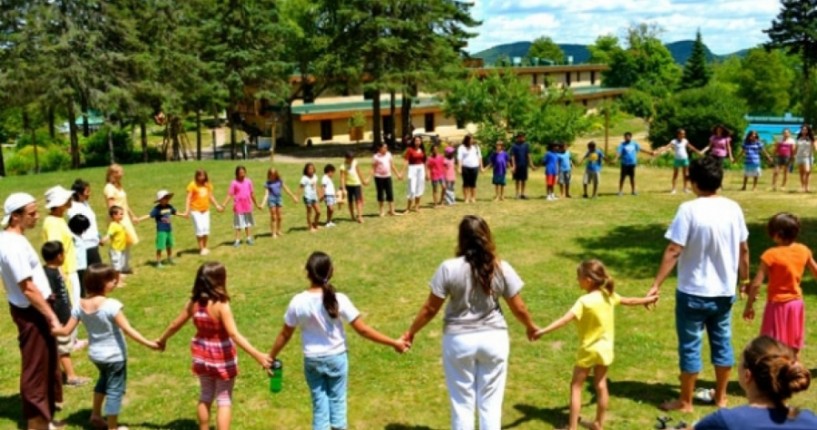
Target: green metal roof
[{"x": 361, "y": 105}]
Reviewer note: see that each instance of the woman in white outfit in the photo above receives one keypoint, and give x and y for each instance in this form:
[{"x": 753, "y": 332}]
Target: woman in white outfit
[
  {"x": 475, "y": 334},
  {"x": 469, "y": 159},
  {"x": 804, "y": 155}
]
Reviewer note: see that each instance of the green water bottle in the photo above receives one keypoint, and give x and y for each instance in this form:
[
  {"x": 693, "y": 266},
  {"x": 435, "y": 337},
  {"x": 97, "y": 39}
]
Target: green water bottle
[{"x": 277, "y": 379}]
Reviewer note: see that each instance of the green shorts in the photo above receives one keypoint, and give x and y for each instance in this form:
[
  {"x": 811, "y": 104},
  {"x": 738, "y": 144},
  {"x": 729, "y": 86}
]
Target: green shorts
[
  {"x": 681, "y": 162},
  {"x": 164, "y": 240}
]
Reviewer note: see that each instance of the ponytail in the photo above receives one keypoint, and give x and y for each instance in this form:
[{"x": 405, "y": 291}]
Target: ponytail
[
  {"x": 319, "y": 270},
  {"x": 330, "y": 299},
  {"x": 596, "y": 272},
  {"x": 775, "y": 370},
  {"x": 608, "y": 285}
]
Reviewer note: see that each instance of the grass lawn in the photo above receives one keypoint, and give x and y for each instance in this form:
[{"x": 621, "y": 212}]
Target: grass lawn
[{"x": 384, "y": 266}]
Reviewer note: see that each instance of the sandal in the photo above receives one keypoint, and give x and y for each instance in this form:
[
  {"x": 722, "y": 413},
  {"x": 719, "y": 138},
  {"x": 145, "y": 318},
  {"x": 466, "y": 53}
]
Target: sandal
[
  {"x": 98, "y": 423},
  {"x": 662, "y": 422},
  {"x": 704, "y": 395}
]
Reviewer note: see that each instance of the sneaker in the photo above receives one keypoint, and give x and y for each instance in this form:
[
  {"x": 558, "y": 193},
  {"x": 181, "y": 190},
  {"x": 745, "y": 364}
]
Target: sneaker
[
  {"x": 204, "y": 251},
  {"x": 250, "y": 241},
  {"x": 159, "y": 265},
  {"x": 171, "y": 262},
  {"x": 330, "y": 224},
  {"x": 237, "y": 243},
  {"x": 673, "y": 191},
  {"x": 620, "y": 193},
  {"x": 635, "y": 193}
]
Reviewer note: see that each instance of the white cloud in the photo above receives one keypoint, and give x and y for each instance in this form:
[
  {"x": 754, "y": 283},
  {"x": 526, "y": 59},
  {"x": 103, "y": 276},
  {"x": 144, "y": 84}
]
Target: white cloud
[{"x": 726, "y": 25}]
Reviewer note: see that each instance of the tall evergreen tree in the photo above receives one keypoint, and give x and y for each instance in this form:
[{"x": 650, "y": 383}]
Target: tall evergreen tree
[
  {"x": 696, "y": 70},
  {"x": 795, "y": 30}
]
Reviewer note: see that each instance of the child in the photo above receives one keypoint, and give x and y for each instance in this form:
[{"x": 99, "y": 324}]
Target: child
[
  {"x": 350, "y": 180},
  {"x": 215, "y": 361},
  {"x": 119, "y": 252},
  {"x": 105, "y": 322},
  {"x": 320, "y": 312},
  {"x": 309, "y": 193},
  {"x": 565, "y": 168},
  {"x": 501, "y": 162},
  {"x": 436, "y": 173},
  {"x": 592, "y": 170},
  {"x": 751, "y": 149},
  {"x": 164, "y": 229},
  {"x": 783, "y": 264},
  {"x": 680, "y": 145},
  {"x": 382, "y": 169},
  {"x": 329, "y": 196},
  {"x": 199, "y": 196},
  {"x": 783, "y": 152},
  {"x": 594, "y": 315},
  {"x": 54, "y": 257},
  {"x": 450, "y": 175},
  {"x": 79, "y": 224},
  {"x": 273, "y": 195},
  {"x": 241, "y": 191},
  {"x": 551, "y": 163}
]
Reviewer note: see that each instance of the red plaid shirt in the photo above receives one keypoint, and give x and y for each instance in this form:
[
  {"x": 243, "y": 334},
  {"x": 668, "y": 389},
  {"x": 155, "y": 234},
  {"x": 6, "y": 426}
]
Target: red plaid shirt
[{"x": 214, "y": 353}]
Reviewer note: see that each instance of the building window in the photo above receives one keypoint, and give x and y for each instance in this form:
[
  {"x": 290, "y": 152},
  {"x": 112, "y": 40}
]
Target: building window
[
  {"x": 388, "y": 124},
  {"x": 326, "y": 130},
  {"x": 534, "y": 79},
  {"x": 578, "y": 76},
  {"x": 429, "y": 122},
  {"x": 592, "y": 77},
  {"x": 567, "y": 79}
]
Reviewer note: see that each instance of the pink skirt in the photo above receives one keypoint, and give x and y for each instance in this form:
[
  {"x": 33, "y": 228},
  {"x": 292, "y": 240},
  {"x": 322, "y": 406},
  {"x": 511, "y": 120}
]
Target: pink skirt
[{"x": 785, "y": 321}]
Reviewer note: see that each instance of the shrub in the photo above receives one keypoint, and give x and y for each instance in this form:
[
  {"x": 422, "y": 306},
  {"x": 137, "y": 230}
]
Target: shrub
[
  {"x": 97, "y": 153},
  {"x": 19, "y": 165},
  {"x": 43, "y": 139},
  {"x": 55, "y": 159}
]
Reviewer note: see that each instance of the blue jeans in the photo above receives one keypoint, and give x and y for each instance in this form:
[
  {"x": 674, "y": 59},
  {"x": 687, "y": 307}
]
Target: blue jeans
[
  {"x": 113, "y": 378},
  {"x": 693, "y": 315},
  {"x": 327, "y": 377}
]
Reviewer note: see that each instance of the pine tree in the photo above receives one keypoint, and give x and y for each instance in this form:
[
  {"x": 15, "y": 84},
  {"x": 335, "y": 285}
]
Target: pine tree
[
  {"x": 795, "y": 30},
  {"x": 696, "y": 71}
]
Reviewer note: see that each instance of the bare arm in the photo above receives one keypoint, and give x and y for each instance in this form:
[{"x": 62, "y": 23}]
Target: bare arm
[
  {"x": 812, "y": 267},
  {"x": 555, "y": 325},
  {"x": 188, "y": 202},
  {"x": 520, "y": 312},
  {"x": 176, "y": 324},
  {"x": 636, "y": 301},
  {"x": 427, "y": 312},
  {"x": 67, "y": 328},
  {"x": 289, "y": 192},
  {"x": 363, "y": 329},
  {"x": 754, "y": 290},
  {"x": 363, "y": 179},
  {"x": 743, "y": 261},
  {"x": 29, "y": 289},
  {"x": 225, "y": 314},
  {"x": 123, "y": 323},
  {"x": 265, "y": 198},
  {"x": 215, "y": 202},
  {"x": 281, "y": 341},
  {"x": 668, "y": 262},
  {"x": 394, "y": 169}
]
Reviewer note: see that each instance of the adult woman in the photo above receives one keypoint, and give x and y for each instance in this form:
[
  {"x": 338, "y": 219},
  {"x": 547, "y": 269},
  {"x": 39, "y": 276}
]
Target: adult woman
[
  {"x": 804, "y": 153},
  {"x": 469, "y": 159},
  {"x": 720, "y": 143},
  {"x": 90, "y": 239},
  {"x": 475, "y": 340},
  {"x": 783, "y": 152},
  {"x": 415, "y": 172},
  {"x": 769, "y": 374},
  {"x": 115, "y": 195}
]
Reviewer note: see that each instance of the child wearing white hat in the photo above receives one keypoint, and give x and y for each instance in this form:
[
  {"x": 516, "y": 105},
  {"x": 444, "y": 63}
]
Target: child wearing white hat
[{"x": 162, "y": 213}]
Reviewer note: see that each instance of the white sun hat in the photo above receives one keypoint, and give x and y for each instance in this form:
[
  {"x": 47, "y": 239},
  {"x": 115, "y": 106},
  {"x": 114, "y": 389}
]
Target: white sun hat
[
  {"x": 162, "y": 194},
  {"x": 57, "y": 196},
  {"x": 14, "y": 202}
]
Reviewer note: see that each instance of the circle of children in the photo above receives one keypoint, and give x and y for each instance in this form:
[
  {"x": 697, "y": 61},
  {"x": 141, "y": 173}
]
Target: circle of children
[{"x": 79, "y": 283}]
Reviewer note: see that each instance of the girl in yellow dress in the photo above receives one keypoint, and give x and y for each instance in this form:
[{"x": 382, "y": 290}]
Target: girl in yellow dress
[{"x": 115, "y": 195}]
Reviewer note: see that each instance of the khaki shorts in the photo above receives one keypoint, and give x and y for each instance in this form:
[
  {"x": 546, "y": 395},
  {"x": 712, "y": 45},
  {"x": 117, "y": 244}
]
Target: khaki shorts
[{"x": 65, "y": 344}]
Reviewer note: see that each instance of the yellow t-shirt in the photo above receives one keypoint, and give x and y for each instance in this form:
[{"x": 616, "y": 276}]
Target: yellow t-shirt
[
  {"x": 352, "y": 178},
  {"x": 118, "y": 235},
  {"x": 118, "y": 197},
  {"x": 56, "y": 228},
  {"x": 201, "y": 196},
  {"x": 595, "y": 318}
]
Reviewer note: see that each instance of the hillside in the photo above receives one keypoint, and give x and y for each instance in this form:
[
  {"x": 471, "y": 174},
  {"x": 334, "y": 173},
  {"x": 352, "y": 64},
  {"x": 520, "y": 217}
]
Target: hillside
[{"x": 680, "y": 51}]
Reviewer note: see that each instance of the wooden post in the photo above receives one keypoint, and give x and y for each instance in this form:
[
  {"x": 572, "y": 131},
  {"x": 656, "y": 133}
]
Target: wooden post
[{"x": 606, "y": 128}]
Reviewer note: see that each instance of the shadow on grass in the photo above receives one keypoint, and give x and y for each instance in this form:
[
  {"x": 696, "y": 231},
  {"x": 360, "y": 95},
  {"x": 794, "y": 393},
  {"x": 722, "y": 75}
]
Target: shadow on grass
[
  {"x": 179, "y": 424},
  {"x": 656, "y": 393},
  {"x": 400, "y": 426},
  {"x": 11, "y": 409},
  {"x": 554, "y": 417},
  {"x": 189, "y": 251}
]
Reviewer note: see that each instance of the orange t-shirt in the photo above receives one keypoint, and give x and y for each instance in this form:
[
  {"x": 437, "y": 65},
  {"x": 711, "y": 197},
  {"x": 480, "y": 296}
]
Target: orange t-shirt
[
  {"x": 786, "y": 264},
  {"x": 201, "y": 196}
]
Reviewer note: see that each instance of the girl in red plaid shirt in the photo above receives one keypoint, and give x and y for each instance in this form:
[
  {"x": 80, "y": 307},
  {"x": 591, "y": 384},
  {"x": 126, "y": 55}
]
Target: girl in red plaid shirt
[{"x": 214, "y": 354}]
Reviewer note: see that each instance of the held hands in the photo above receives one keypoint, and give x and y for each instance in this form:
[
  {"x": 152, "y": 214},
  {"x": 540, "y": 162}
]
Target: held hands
[
  {"x": 749, "y": 313},
  {"x": 534, "y": 333},
  {"x": 401, "y": 345},
  {"x": 162, "y": 344},
  {"x": 154, "y": 345},
  {"x": 220, "y": 208},
  {"x": 264, "y": 360},
  {"x": 652, "y": 292}
]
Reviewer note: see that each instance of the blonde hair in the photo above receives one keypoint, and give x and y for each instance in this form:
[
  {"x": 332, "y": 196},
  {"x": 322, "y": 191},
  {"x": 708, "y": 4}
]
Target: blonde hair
[
  {"x": 595, "y": 271},
  {"x": 112, "y": 170}
]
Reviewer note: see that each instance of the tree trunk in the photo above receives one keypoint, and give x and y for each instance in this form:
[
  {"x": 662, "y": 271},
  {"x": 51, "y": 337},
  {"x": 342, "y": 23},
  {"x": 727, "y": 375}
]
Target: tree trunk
[
  {"x": 86, "y": 128},
  {"x": 405, "y": 114},
  {"x": 110, "y": 142},
  {"x": 143, "y": 137},
  {"x": 2, "y": 163},
  {"x": 392, "y": 109},
  {"x": 51, "y": 128},
  {"x": 73, "y": 135},
  {"x": 377, "y": 130},
  {"x": 232, "y": 138},
  {"x": 198, "y": 134}
]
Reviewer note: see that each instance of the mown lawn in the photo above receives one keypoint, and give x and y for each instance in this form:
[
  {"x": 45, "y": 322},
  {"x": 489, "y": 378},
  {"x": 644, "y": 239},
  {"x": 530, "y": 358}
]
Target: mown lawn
[{"x": 384, "y": 266}]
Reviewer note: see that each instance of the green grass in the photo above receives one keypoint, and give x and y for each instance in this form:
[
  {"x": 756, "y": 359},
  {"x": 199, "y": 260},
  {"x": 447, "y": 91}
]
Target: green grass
[{"x": 384, "y": 266}]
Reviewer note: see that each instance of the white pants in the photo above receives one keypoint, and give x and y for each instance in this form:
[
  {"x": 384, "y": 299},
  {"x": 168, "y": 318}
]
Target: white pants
[
  {"x": 75, "y": 289},
  {"x": 416, "y": 180},
  {"x": 475, "y": 372},
  {"x": 201, "y": 223}
]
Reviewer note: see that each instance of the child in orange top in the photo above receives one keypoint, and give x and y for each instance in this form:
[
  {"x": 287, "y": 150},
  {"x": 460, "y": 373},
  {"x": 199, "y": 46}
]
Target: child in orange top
[{"x": 783, "y": 264}]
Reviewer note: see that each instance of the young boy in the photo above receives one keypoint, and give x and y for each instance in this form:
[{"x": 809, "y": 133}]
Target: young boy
[
  {"x": 501, "y": 162},
  {"x": 162, "y": 213},
  {"x": 592, "y": 170},
  {"x": 119, "y": 252},
  {"x": 329, "y": 193},
  {"x": 551, "y": 163},
  {"x": 565, "y": 168},
  {"x": 54, "y": 255}
]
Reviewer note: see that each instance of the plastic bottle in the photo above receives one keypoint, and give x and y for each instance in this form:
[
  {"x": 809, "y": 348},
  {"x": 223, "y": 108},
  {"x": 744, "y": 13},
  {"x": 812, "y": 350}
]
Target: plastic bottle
[{"x": 277, "y": 379}]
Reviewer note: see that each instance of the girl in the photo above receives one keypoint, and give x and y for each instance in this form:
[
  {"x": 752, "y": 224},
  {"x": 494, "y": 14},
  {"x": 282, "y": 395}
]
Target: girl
[
  {"x": 320, "y": 312},
  {"x": 770, "y": 374},
  {"x": 751, "y": 149},
  {"x": 274, "y": 197},
  {"x": 199, "y": 197},
  {"x": 213, "y": 347},
  {"x": 382, "y": 168},
  {"x": 115, "y": 195},
  {"x": 501, "y": 161},
  {"x": 469, "y": 159},
  {"x": 90, "y": 237},
  {"x": 450, "y": 176},
  {"x": 783, "y": 152},
  {"x": 351, "y": 180},
  {"x": 243, "y": 195},
  {"x": 720, "y": 143},
  {"x": 436, "y": 174},
  {"x": 415, "y": 172},
  {"x": 804, "y": 154},
  {"x": 105, "y": 322},
  {"x": 783, "y": 264},
  {"x": 309, "y": 191},
  {"x": 593, "y": 313},
  {"x": 680, "y": 145}
]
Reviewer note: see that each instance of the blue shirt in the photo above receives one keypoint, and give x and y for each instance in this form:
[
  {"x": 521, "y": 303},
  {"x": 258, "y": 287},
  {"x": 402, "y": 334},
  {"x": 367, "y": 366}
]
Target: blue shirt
[
  {"x": 594, "y": 166},
  {"x": 499, "y": 160},
  {"x": 520, "y": 153},
  {"x": 274, "y": 188},
  {"x": 565, "y": 161},
  {"x": 750, "y": 418},
  {"x": 628, "y": 151},
  {"x": 751, "y": 151},
  {"x": 162, "y": 216},
  {"x": 106, "y": 344},
  {"x": 551, "y": 163}
]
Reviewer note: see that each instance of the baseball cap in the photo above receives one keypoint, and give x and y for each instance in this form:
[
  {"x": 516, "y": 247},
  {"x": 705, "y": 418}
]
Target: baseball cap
[
  {"x": 57, "y": 196},
  {"x": 162, "y": 194},
  {"x": 14, "y": 202}
]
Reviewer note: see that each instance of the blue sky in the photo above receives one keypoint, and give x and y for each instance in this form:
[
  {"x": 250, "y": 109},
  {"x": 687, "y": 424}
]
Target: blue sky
[{"x": 726, "y": 25}]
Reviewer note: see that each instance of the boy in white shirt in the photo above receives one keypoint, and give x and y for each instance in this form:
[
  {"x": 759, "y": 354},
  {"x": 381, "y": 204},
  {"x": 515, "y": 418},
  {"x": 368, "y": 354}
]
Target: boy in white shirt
[{"x": 329, "y": 196}]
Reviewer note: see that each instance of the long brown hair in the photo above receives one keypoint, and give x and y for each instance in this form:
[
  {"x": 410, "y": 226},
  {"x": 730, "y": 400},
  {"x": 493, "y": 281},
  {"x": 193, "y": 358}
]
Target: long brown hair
[
  {"x": 210, "y": 283},
  {"x": 476, "y": 245},
  {"x": 775, "y": 369},
  {"x": 595, "y": 271},
  {"x": 319, "y": 270}
]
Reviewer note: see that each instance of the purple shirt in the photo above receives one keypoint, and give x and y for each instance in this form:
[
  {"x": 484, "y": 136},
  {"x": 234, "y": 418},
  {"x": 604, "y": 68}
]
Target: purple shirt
[
  {"x": 241, "y": 192},
  {"x": 500, "y": 162},
  {"x": 718, "y": 145}
]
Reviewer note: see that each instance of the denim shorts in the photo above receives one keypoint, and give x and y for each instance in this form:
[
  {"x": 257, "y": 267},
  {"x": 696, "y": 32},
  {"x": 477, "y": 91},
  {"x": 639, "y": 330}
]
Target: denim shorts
[
  {"x": 113, "y": 379},
  {"x": 329, "y": 200},
  {"x": 693, "y": 315},
  {"x": 275, "y": 201}
]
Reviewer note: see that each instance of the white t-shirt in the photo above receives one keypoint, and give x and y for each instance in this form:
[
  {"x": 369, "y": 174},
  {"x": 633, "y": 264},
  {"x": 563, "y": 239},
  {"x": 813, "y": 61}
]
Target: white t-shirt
[
  {"x": 470, "y": 309},
  {"x": 19, "y": 261},
  {"x": 468, "y": 157},
  {"x": 328, "y": 186},
  {"x": 321, "y": 334},
  {"x": 711, "y": 230},
  {"x": 106, "y": 343},
  {"x": 804, "y": 149},
  {"x": 309, "y": 185},
  {"x": 680, "y": 148},
  {"x": 382, "y": 165},
  {"x": 91, "y": 236}
]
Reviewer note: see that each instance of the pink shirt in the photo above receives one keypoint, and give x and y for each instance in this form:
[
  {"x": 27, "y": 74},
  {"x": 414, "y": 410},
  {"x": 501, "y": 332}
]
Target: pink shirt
[
  {"x": 241, "y": 192},
  {"x": 450, "y": 169},
  {"x": 785, "y": 147},
  {"x": 382, "y": 165},
  {"x": 718, "y": 145},
  {"x": 436, "y": 167}
]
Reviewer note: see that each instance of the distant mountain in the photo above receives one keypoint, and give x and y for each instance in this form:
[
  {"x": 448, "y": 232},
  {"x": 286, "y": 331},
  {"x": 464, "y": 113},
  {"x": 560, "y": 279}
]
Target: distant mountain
[{"x": 680, "y": 51}]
